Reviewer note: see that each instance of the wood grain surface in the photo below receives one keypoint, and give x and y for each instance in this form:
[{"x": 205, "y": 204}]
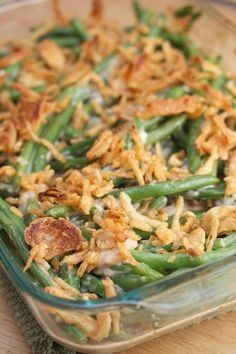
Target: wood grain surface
[{"x": 215, "y": 336}]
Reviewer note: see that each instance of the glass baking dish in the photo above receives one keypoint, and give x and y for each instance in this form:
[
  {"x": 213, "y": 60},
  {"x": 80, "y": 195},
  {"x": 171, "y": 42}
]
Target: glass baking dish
[{"x": 160, "y": 307}]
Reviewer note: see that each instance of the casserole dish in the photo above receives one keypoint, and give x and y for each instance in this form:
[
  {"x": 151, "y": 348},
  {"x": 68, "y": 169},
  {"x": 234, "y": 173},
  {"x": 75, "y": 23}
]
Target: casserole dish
[{"x": 160, "y": 307}]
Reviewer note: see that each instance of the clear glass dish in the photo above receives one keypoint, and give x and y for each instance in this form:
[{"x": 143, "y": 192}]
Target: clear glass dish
[{"x": 154, "y": 309}]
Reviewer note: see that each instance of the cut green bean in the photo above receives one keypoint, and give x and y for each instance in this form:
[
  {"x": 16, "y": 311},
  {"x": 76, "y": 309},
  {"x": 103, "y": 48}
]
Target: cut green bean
[
  {"x": 15, "y": 227},
  {"x": 70, "y": 276},
  {"x": 175, "y": 92},
  {"x": 138, "y": 193},
  {"x": 79, "y": 29},
  {"x": 133, "y": 281},
  {"x": 181, "y": 260},
  {"x": 166, "y": 129},
  {"x": 71, "y": 163},
  {"x": 60, "y": 211},
  {"x": 159, "y": 203},
  {"x": 193, "y": 158},
  {"x": 224, "y": 242},
  {"x": 56, "y": 127},
  {"x": 93, "y": 284},
  {"x": 184, "y": 11},
  {"x": 212, "y": 192},
  {"x": 65, "y": 42},
  {"x": 79, "y": 148}
]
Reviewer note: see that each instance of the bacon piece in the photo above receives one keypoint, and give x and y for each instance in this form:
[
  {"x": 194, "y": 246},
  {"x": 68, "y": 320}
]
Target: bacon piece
[{"x": 60, "y": 235}]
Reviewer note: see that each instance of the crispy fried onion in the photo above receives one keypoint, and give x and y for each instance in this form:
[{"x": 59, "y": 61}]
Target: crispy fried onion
[
  {"x": 8, "y": 137},
  {"x": 110, "y": 291},
  {"x": 19, "y": 52},
  {"x": 219, "y": 220},
  {"x": 57, "y": 237},
  {"x": 189, "y": 235},
  {"x": 64, "y": 290},
  {"x": 30, "y": 110},
  {"x": 192, "y": 105},
  {"x": 216, "y": 136},
  {"x": 97, "y": 328},
  {"x": 56, "y": 153},
  {"x": 6, "y": 171},
  {"x": 55, "y": 196},
  {"x": 51, "y": 54},
  {"x": 80, "y": 187},
  {"x": 37, "y": 181},
  {"x": 230, "y": 179}
]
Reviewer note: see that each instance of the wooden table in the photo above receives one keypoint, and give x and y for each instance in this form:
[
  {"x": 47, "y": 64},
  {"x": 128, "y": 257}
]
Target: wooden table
[{"x": 217, "y": 335}]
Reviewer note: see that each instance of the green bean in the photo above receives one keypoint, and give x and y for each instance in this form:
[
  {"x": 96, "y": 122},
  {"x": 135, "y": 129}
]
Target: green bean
[
  {"x": 150, "y": 124},
  {"x": 12, "y": 73},
  {"x": 30, "y": 148},
  {"x": 193, "y": 158},
  {"x": 145, "y": 235},
  {"x": 62, "y": 31},
  {"x": 121, "y": 182},
  {"x": 70, "y": 276},
  {"x": 143, "y": 15},
  {"x": 166, "y": 129},
  {"x": 212, "y": 192},
  {"x": 155, "y": 31},
  {"x": 91, "y": 283},
  {"x": 145, "y": 246},
  {"x": 79, "y": 148},
  {"x": 15, "y": 227},
  {"x": 31, "y": 203},
  {"x": 10, "y": 252},
  {"x": 138, "y": 193},
  {"x": 180, "y": 139},
  {"x": 54, "y": 129},
  {"x": 159, "y": 203},
  {"x": 219, "y": 82},
  {"x": 181, "y": 260},
  {"x": 5, "y": 51},
  {"x": 137, "y": 10},
  {"x": 198, "y": 213},
  {"x": 86, "y": 234},
  {"x": 176, "y": 39},
  {"x": 75, "y": 333},
  {"x": 6, "y": 190},
  {"x": 27, "y": 155},
  {"x": 16, "y": 95},
  {"x": 101, "y": 67},
  {"x": 72, "y": 133},
  {"x": 132, "y": 281},
  {"x": 224, "y": 242},
  {"x": 60, "y": 211},
  {"x": 65, "y": 42},
  {"x": 184, "y": 11},
  {"x": 71, "y": 163},
  {"x": 140, "y": 269},
  {"x": 214, "y": 170},
  {"x": 175, "y": 92},
  {"x": 79, "y": 29}
]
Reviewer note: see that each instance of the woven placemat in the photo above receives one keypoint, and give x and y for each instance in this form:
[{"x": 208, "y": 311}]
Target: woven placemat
[{"x": 38, "y": 340}]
